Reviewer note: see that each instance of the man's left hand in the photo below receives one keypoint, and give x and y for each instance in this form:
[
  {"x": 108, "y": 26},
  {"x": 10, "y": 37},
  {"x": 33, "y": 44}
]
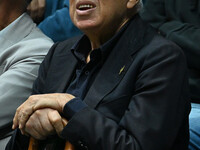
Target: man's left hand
[{"x": 54, "y": 101}]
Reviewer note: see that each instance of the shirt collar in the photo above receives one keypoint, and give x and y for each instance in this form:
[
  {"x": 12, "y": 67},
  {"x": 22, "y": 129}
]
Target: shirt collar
[
  {"x": 10, "y": 26},
  {"x": 81, "y": 48}
]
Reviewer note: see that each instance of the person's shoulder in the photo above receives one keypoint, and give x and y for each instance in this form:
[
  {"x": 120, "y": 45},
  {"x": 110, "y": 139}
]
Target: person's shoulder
[
  {"x": 67, "y": 44},
  {"x": 36, "y": 35},
  {"x": 154, "y": 43},
  {"x": 70, "y": 41},
  {"x": 63, "y": 48},
  {"x": 149, "y": 39},
  {"x": 31, "y": 31},
  {"x": 34, "y": 43},
  {"x": 160, "y": 44}
]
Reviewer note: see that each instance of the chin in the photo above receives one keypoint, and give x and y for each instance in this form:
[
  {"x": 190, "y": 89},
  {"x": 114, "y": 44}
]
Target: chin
[{"x": 85, "y": 26}]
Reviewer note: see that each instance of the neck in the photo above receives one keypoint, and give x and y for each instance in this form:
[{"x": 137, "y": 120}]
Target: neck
[
  {"x": 98, "y": 38},
  {"x": 8, "y": 13}
]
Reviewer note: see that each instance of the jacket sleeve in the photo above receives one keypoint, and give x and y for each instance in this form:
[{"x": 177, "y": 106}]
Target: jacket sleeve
[
  {"x": 17, "y": 79},
  {"x": 59, "y": 26},
  {"x": 155, "y": 113},
  {"x": 19, "y": 141}
]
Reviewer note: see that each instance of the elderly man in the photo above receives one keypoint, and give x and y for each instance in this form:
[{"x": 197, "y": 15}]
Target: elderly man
[
  {"x": 22, "y": 49},
  {"x": 119, "y": 87}
]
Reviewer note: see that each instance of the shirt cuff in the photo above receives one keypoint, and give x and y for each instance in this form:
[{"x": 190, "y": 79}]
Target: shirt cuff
[{"x": 72, "y": 107}]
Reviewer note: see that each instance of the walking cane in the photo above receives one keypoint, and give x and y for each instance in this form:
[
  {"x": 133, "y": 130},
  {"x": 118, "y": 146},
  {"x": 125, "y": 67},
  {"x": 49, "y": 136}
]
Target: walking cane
[{"x": 33, "y": 145}]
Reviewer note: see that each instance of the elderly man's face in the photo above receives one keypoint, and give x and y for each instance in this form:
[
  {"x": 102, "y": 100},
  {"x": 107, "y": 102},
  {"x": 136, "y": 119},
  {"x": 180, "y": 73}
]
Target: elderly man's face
[{"x": 98, "y": 14}]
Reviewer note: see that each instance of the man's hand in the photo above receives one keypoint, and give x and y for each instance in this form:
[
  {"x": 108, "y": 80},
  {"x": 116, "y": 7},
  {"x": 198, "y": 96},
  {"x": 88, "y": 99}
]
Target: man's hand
[
  {"x": 55, "y": 101},
  {"x": 36, "y": 10},
  {"x": 43, "y": 123}
]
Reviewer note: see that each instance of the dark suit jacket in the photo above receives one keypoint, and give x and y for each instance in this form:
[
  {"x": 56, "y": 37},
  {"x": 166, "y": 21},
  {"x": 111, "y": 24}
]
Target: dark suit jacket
[{"x": 141, "y": 107}]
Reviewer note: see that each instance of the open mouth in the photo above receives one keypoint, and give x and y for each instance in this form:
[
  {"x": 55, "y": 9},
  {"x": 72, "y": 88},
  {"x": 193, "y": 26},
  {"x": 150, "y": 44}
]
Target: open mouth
[{"x": 83, "y": 7}]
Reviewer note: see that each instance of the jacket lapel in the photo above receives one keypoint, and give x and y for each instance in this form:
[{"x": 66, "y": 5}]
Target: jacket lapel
[
  {"x": 67, "y": 73},
  {"x": 64, "y": 64},
  {"x": 117, "y": 63}
]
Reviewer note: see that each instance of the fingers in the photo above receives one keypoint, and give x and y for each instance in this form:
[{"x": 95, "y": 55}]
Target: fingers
[
  {"x": 47, "y": 127},
  {"x": 44, "y": 122},
  {"x": 34, "y": 128},
  {"x": 36, "y": 10},
  {"x": 35, "y": 102},
  {"x": 55, "y": 101},
  {"x": 47, "y": 101},
  {"x": 23, "y": 112},
  {"x": 38, "y": 125},
  {"x": 57, "y": 122},
  {"x": 41, "y": 9},
  {"x": 32, "y": 9},
  {"x": 28, "y": 107}
]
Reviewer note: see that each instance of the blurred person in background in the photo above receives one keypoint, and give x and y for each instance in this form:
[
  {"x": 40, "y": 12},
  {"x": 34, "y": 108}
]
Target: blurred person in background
[
  {"x": 179, "y": 21},
  {"x": 52, "y": 17},
  {"x": 22, "y": 49}
]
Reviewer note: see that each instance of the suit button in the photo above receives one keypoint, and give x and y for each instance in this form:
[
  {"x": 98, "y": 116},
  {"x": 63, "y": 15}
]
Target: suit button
[
  {"x": 87, "y": 73},
  {"x": 80, "y": 143}
]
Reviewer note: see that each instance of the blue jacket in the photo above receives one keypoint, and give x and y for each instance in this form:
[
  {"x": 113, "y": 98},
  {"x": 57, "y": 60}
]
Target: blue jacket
[{"x": 57, "y": 23}]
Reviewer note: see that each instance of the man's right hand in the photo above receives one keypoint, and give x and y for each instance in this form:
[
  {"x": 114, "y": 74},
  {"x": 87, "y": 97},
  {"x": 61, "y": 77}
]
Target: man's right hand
[{"x": 36, "y": 10}]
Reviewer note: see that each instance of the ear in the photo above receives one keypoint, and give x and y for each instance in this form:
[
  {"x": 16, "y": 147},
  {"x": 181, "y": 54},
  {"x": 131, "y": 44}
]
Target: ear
[{"x": 131, "y": 3}]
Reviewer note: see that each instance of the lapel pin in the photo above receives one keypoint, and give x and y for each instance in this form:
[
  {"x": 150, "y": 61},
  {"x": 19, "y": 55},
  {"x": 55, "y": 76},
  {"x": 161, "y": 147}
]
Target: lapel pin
[{"x": 121, "y": 70}]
